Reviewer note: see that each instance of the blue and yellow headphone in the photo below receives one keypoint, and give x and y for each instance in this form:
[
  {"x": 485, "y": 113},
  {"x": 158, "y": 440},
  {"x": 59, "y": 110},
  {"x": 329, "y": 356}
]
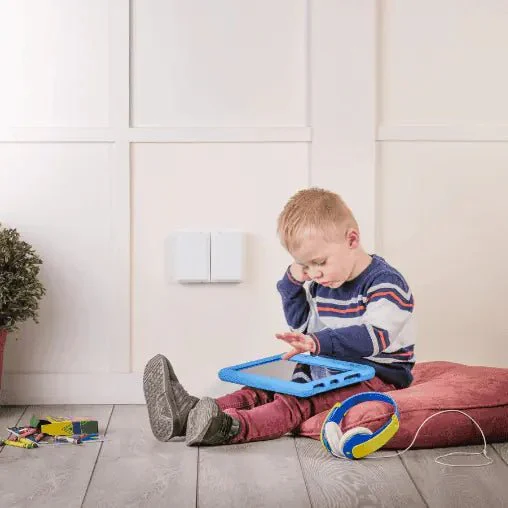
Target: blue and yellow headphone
[{"x": 357, "y": 442}]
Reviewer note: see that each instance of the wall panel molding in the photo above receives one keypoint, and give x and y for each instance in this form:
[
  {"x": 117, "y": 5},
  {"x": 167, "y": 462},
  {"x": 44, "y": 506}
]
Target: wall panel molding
[{"x": 465, "y": 132}]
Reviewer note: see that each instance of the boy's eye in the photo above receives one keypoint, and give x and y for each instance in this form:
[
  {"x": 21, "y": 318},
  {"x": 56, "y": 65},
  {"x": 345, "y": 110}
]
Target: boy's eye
[{"x": 315, "y": 263}]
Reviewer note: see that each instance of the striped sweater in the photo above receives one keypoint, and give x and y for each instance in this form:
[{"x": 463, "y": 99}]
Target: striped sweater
[{"x": 367, "y": 320}]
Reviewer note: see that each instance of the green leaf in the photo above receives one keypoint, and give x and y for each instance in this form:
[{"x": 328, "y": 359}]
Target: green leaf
[{"x": 20, "y": 288}]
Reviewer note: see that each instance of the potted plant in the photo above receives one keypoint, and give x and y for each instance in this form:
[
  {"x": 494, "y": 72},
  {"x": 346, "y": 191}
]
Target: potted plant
[{"x": 20, "y": 288}]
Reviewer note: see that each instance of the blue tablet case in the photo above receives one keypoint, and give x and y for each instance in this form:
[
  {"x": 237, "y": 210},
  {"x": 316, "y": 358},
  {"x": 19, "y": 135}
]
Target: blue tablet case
[{"x": 350, "y": 373}]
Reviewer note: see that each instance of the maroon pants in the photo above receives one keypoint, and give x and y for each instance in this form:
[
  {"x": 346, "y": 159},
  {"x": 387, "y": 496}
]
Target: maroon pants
[{"x": 266, "y": 415}]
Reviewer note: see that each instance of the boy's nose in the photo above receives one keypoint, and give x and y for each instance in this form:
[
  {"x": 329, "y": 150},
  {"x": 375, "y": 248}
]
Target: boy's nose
[{"x": 315, "y": 274}]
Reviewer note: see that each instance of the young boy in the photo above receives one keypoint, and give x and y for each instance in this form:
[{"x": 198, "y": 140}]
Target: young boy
[{"x": 356, "y": 307}]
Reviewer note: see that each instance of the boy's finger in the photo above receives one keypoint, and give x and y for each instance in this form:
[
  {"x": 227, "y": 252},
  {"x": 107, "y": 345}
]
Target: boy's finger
[
  {"x": 289, "y": 354},
  {"x": 293, "y": 334},
  {"x": 286, "y": 336},
  {"x": 290, "y": 342}
]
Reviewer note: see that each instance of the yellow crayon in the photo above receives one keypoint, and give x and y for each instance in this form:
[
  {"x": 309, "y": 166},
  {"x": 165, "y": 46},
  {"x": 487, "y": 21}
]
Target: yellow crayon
[
  {"x": 17, "y": 444},
  {"x": 26, "y": 441}
]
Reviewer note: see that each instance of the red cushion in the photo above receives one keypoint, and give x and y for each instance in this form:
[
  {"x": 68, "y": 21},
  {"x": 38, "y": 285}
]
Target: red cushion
[{"x": 482, "y": 392}]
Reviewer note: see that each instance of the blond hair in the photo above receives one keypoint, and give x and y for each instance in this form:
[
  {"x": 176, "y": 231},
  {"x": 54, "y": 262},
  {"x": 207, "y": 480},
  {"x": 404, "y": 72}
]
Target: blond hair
[{"x": 312, "y": 211}]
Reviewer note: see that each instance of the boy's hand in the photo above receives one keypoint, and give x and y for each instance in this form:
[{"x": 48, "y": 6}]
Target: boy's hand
[
  {"x": 298, "y": 272},
  {"x": 300, "y": 343}
]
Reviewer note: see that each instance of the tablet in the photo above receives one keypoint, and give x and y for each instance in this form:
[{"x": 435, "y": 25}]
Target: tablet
[{"x": 274, "y": 374}]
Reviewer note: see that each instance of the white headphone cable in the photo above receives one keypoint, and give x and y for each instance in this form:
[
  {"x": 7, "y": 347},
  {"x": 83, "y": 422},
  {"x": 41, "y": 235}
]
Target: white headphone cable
[{"x": 483, "y": 452}]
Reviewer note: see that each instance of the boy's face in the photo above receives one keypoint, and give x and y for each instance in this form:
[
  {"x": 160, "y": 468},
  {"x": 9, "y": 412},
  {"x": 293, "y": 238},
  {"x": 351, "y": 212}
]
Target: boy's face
[{"x": 329, "y": 263}]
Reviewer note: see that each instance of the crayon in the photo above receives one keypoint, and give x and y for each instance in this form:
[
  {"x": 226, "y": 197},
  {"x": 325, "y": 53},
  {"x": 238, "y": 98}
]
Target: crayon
[
  {"x": 24, "y": 440},
  {"x": 17, "y": 436},
  {"x": 30, "y": 438},
  {"x": 27, "y": 432},
  {"x": 67, "y": 439},
  {"x": 87, "y": 437},
  {"x": 18, "y": 444}
]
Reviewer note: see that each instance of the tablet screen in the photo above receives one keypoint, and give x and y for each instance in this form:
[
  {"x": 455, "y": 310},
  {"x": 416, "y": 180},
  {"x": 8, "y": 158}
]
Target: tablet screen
[{"x": 280, "y": 369}]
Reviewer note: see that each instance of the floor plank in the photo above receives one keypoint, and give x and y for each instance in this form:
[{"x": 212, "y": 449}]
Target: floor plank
[
  {"x": 502, "y": 450},
  {"x": 461, "y": 487},
  {"x": 261, "y": 474},
  {"x": 334, "y": 482},
  {"x": 51, "y": 475},
  {"x": 134, "y": 469}
]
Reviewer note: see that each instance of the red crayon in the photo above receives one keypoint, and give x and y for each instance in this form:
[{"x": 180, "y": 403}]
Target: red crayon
[{"x": 27, "y": 432}]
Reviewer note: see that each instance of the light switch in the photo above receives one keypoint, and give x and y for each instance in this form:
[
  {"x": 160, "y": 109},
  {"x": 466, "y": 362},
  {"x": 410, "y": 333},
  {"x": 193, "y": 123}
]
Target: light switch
[
  {"x": 227, "y": 256},
  {"x": 192, "y": 256}
]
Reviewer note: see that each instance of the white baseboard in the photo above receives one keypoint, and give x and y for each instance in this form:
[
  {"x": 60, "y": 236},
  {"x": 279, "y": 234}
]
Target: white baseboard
[{"x": 113, "y": 388}]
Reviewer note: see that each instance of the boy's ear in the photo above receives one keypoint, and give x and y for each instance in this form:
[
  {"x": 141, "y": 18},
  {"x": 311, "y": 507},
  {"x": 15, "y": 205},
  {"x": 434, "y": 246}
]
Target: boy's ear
[{"x": 352, "y": 238}]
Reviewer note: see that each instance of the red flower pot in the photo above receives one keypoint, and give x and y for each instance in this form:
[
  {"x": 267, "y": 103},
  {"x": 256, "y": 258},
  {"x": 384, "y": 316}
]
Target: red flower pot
[{"x": 3, "y": 337}]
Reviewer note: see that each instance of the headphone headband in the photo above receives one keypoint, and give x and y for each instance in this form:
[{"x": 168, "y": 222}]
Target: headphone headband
[{"x": 341, "y": 408}]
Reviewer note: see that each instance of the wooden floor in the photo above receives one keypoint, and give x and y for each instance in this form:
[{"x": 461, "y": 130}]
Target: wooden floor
[{"x": 131, "y": 468}]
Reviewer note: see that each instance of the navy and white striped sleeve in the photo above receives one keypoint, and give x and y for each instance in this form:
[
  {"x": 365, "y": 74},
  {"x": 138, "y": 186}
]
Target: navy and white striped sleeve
[
  {"x": 294, "y": 302},
  {"x": 388, "y": 307}
]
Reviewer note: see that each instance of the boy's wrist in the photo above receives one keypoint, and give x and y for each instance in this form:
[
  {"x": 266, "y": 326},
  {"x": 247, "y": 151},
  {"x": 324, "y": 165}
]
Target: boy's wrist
[
  {"x": 293, "y": 278},
  {"x": 296, "y": 273},
  {"x": 290, "y": 288},
  {"x": 315, "y": 348}
]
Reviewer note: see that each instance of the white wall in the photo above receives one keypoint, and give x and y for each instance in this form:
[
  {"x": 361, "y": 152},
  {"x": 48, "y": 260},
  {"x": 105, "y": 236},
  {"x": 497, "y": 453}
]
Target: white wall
[
  {"x": 443, "y": 170},
  {"x": 123, "y": 123}
]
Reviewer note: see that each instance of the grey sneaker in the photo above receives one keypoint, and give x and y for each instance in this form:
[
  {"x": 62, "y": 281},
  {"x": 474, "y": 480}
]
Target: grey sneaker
[
  {"x": 208, "y": 425},
  {"x": 166, "y": 399},
  {"x": 171, "y": 371}
]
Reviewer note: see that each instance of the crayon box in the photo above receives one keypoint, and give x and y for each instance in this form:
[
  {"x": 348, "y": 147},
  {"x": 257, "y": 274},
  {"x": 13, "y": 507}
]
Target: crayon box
[{"x": 65, "y": 426}]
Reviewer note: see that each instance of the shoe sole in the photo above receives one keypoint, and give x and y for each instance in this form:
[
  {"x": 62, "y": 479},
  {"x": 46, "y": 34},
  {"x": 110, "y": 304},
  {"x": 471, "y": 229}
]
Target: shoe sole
[
  {"x": 156, "y": 379},
  {"x": 199, "y": 421}
]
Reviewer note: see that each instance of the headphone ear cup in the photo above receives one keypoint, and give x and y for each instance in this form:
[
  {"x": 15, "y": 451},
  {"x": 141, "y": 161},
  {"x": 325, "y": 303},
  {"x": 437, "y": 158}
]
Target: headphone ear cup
[
  {"x": 355, "y": 431},
  {"x": 333, "y": 436}
]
